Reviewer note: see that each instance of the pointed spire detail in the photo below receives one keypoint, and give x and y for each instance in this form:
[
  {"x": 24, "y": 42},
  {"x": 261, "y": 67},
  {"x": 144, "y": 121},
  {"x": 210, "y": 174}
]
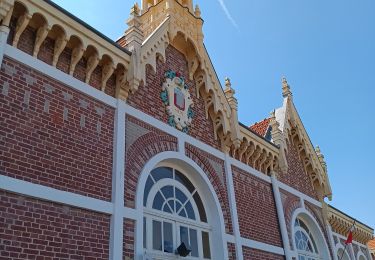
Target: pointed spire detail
[
  {"x": 286, "y": 88},
  {"x": 197, "y": 11}
]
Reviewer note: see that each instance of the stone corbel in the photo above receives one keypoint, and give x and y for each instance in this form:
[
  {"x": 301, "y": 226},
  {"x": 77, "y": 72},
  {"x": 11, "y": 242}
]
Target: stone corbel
[
  {"x": 92, "y": 62},
  {"x": 41, "y": 35},
  {"x": 76, "y": 56},
  {"x": 107, "y": 72},
  {"x": 134, "y": 75},
  {"x": 122, "y": 90},
  {"x": 60, "y": 44},
  {"x": 22, "y": 23},
  {"x": 5, "y": 7}
]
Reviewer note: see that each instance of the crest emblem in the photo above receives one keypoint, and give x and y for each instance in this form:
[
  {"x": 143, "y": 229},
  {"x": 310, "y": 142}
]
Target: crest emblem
[{"x": 175, "y": 95}]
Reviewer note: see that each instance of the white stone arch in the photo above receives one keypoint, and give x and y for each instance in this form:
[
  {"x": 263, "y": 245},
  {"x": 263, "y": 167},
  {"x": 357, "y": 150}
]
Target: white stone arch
[
  {"x": 314, "y": 229},
  {"x": 206, "y": 191},
  {"x": 361, "y": 255},
  {"x": 339, "y": 247}
]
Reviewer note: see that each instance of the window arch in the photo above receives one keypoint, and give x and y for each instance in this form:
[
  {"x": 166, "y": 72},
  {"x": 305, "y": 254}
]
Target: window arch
[
  {"x": 174, "y": 214},
  {"x": 341, "y": 254},
  {"x": 305, "y": 241}
]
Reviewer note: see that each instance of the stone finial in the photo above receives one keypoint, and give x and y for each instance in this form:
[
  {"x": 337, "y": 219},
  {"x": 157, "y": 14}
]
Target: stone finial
[
  {"x": 135, "y": 11},
  {"x": 197, "y": 11},
  {"x": 228, "y": 84},
  {"x": 286, "y": 88},
  {"x": 321, "y": 157}
]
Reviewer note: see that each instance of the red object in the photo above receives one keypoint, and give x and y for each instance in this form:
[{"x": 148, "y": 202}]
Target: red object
[{"x": 349, "y": 240}]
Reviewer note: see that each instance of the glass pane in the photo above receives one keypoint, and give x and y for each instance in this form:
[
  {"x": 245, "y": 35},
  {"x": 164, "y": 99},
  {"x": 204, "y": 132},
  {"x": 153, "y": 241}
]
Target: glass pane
[
  {"x": 168, "y": 237},
  {"x": 206, "y": 245},
  {"x": 181, "y": 196},
  {"x": 184, "y": 236},
  {"x": 171, "y": 204},
  {"x": 166, "y": 208},
  {"x": 182, "y": 213},
  {"x": 184, "y": 181},
  {"x": 162, "y": 173},
  {"x": 144, "y": 233},
  {"x": 158, "y": 201},
  {"x": 202, "y": 212},
  {"x": 148, "y": 187},
  {"x": 193, "y": 242},
  {"x": 156, "y": 235},
  {"x": 178, "y": 206},
  {"x": 190, "y": 210},
  {"x": 167, "y": 191}
]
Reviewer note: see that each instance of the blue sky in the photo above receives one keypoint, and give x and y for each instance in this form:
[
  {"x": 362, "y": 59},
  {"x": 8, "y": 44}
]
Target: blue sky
[{"x": 326, "y": 50}]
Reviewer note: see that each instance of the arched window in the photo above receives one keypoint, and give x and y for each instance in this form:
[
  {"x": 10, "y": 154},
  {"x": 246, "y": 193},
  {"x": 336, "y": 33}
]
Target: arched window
[
  {"x": 173, "y": 214},
  {"x": 342, "y": 255},
  {"x": 305, "y": 242}
]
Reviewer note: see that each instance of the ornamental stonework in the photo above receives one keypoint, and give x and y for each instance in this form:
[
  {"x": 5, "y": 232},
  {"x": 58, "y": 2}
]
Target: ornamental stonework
[{"x": 176, "y": 97}]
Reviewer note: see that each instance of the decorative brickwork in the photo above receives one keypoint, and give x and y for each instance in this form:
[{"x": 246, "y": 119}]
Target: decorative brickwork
[
  {"x": 254, "y": 199},
  {"x": 203, "y": 160},
  {"x": 129, "y": 242},
  {"x": 147, "y": 97},
  {"x": 139, "y": 149},
  {"x": 254, "y": 254},
  {"x": 290, "y": 204},
  {"x": 296, "y": 176},
  {"x": 53, "y": 135},
  {"x": 35, "y": 229},
  {"x": 231, "y": 251},
  {"x": 46, "y": 51}
]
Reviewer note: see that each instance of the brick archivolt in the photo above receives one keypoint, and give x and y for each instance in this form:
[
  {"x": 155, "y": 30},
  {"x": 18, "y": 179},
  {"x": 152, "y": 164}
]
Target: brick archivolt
[{"x": 67, "y": 33}]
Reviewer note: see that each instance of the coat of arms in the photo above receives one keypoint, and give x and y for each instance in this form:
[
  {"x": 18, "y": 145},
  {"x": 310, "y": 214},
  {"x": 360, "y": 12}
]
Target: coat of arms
[{"x": 175, "y": 95}]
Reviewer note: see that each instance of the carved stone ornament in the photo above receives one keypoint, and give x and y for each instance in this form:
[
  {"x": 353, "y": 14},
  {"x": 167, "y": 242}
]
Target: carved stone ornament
[{"x": 175, "y": 95}]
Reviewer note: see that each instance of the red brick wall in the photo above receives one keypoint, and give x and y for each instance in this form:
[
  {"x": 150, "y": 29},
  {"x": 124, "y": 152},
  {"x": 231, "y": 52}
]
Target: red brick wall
[
  {"x": 46, "y": 51},
  {"x": 231, "y": 251},
  {"x": 256, "y": 208},
  {"x": 129, "y": 243},
  {"x": 209, "y": 164},
  {"x": 35, "y": 229},
  {"x": 255, "y": 254},
  {"x": 42, "y": 147},
  {"x": 296, "y": 176},
  {"x": 26, "y": 40},
  {"x": 63, "y": 63},
  {"x": 147, "y": 97},
  {"x": 142, "y": 143}
]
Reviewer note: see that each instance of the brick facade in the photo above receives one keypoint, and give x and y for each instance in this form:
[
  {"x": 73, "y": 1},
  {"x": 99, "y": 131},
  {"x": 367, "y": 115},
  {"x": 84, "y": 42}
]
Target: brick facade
[
  {"x": 142, "y": 143},
  {"x": 254, "y": 254},
  {"x": 147, "y": 98},
  {"x": 254, "y": 199},
  {"x": 296, "y": 176},
  {"x": 231, "y": 251},
  {"x": 35, "y": 229},
  {"x": 129, "y": 243},
  {"x": 53, "y": 135}
]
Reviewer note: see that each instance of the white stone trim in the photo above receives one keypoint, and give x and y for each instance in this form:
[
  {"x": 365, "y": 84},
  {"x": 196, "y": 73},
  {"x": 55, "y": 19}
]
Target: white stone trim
[
  {"x": 281, "y": 217},
  {"x": 250, "y": 170},
  {"x": 4, "y": 32},
  {"x": 230, "y": 239},
  {"x": 155, "y": 162},
  {"x": 299, "y": 194},
  {"x": 332, "y": 241},
  {"x": 58, "y": 75},
  {"x": 262, "y": 246},
  {"x": 117, "y": 220},
  {"x": 233, "y": 207},
  {"x": 53, "y": 195}
]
